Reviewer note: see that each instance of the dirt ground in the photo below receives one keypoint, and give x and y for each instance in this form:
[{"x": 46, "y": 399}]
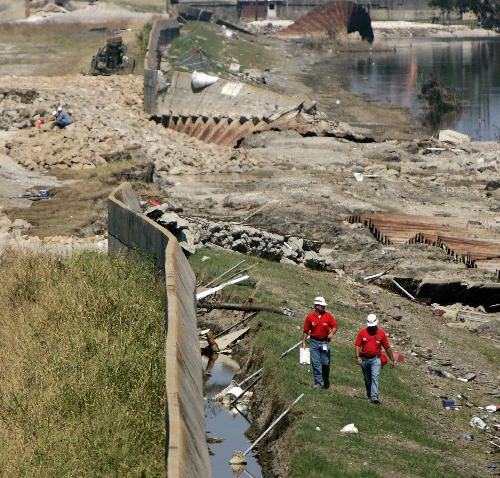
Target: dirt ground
[{"x": 306, "y": 186}]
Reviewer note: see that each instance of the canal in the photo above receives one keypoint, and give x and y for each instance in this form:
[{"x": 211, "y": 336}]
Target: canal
[{"x": 471, "y": 68}]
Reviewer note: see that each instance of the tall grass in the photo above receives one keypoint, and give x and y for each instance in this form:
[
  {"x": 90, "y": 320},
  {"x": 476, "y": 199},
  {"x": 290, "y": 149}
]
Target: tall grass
[{"x": 81, "y": 367}]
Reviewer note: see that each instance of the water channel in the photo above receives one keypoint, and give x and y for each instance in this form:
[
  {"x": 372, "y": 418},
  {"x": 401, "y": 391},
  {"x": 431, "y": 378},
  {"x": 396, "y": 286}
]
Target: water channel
[
  {"x": 227, "y": 425},
  {"x": 470, "y": 67}
]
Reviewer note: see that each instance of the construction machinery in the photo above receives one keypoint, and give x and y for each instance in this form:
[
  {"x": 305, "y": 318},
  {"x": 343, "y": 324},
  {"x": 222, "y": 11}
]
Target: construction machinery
[{"x": 111, "y": 58}]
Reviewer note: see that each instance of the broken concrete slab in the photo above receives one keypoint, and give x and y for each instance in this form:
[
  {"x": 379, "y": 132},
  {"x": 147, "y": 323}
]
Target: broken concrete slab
[
  {"x": 453, "y": 137},
  {"x": 226, "y": 340}
]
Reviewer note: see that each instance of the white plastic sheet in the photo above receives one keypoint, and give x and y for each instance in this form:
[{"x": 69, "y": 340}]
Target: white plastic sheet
[{"x": 305, "y": 356}]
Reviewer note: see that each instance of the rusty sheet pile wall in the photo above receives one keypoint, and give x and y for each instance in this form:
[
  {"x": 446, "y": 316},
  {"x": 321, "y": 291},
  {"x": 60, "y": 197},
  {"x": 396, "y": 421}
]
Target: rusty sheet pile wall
[{"x": 187, "y": 451}]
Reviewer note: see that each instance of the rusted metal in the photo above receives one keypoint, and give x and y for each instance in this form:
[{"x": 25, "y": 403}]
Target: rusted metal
[
  {"x": 228, "y": 132},
  {"x": 333, "y": 20},
  {"x": 474, "y": 246}
]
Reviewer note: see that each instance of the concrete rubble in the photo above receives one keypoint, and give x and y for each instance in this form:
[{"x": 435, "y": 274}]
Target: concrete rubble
[
  {"x": 246, "y": 239},
  {"x": 104, "y": 133}
]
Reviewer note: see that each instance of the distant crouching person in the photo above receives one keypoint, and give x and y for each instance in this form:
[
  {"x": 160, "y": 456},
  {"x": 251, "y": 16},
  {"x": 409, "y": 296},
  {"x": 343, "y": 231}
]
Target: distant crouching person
[{"x": 62, "y": 118}]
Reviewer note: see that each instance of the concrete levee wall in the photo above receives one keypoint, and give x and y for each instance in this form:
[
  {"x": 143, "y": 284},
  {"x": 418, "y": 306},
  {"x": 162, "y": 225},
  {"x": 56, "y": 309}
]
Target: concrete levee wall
[
  {"x": 186, "y": 447},
  {"x": 183, "y": 361}
]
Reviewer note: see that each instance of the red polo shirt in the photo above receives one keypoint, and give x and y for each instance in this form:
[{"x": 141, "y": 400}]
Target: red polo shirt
[
  {"x": 319, "y": 325},
  {"x": 371, "y": 345}
]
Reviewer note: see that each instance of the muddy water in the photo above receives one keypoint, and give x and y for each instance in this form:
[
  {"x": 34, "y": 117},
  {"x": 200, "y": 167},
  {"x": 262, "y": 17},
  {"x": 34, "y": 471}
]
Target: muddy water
[
  {"x": 230, "y": 426},
  {"x": 471, "y": 68}
]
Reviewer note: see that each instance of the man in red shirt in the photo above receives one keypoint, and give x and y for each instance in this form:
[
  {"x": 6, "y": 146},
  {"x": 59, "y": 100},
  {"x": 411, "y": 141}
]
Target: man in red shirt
[
  {"x": 320, "y": 325},
  {"x": 368, "y": 349}
]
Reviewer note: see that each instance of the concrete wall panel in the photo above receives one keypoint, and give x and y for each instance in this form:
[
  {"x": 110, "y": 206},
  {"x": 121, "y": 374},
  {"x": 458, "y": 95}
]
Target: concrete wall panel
[{"x": 187, "y": 451}]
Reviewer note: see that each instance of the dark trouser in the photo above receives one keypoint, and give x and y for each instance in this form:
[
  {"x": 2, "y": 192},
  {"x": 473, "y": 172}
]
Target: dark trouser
[{"x": 320, "y": 362}]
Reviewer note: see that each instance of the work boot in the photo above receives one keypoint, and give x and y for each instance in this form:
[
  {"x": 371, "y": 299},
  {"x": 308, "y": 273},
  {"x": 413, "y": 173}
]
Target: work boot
[{"x": 317, "y": 386}]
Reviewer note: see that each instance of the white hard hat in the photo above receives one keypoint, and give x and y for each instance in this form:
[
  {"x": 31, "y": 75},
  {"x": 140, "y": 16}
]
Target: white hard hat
[
  {"x": 59, "y": 108},
  {"x": 320, "y": 301},
  {"x": 371, "y": 320}
]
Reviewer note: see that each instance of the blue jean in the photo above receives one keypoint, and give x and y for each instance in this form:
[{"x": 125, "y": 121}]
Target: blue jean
[
  {"x": 320, "y": 362},
  {"x": 371, "y": 372}
]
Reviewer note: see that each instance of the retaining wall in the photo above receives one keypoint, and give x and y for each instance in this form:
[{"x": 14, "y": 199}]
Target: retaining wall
[{"x": 186, "y": 445}]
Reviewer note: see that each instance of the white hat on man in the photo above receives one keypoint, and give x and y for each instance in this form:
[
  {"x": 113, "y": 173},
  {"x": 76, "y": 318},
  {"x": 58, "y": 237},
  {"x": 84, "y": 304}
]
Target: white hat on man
[
  {"x": 371, "y": 320},
  {"x": 320, "y": 301}
]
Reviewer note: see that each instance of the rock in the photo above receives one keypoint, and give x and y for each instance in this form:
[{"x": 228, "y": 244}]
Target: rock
[
  {"x": 453, "y": 137},
  {"x": 234, "y": 68},
  {"x": 310, "y": 245},
  {"x": 492, "y": 185},
  {"x": 20, "y": 225}
]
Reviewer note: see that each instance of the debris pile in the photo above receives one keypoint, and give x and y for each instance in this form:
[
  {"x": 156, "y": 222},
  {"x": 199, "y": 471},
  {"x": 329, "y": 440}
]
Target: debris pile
[
  {"x": 245, "y": 239},
  {"x": 108, "y": 126}
]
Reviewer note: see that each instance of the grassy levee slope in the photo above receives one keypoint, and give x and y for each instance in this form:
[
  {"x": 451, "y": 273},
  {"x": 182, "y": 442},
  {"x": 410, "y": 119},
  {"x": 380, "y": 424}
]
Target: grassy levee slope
[
  {"x": 404, "y": 437},
  {"x": 81, "y": 367}
]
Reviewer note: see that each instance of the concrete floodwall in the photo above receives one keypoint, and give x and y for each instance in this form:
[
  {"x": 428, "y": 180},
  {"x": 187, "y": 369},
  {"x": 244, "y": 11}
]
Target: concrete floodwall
[
  {"x": 188, "y": 453},
  {"x": 186, "y": 446}
]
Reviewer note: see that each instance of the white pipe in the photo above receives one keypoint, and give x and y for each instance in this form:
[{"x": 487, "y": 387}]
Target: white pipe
[{"x": 251, "y": 447}]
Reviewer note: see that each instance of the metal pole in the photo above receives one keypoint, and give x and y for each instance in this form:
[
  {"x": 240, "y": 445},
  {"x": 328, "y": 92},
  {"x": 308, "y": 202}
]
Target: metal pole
[
  {"x": 403, "y": 290},
  {"x": 246, "y": 390},
  {"x": 224, "y": 273},
  {"x": 244, "y": 319},
  {"x": 252, "y": 446},
  {"x": 251, "y": 376},
  {"x": 290, "y": 349},
  {"x": 260, "y": 369}
]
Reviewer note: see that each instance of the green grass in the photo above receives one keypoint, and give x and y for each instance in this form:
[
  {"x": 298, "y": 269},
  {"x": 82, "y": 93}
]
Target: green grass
[
  {"x": 81, "y": 367},
  {"x": 208, "y": 37},
  {"x": 406, "y": 436}
]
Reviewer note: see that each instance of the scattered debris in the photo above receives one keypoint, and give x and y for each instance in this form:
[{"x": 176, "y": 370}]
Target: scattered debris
[
  {"x": 453, "y": 137},
  {"x": 477, "y": 423},
  {"x": 467, "y": 377},
  {"x": 226, "y": 340},
  {"x": 468, "y": 437},
  {"x": 449, "y": 404},
  {"x": 350, "y": 428},
  {"x": 240, "y": 322},
  {"x": 201, "y": 80},
  {"x": 254, "y": 308},
  {"x": 225, "y": 273},
  {"x": 286, "y": 352},
  {"x": 403, "y": 289},
  {"x": 244, "y": 392},
  {"x": 441, "y": 373},
  {"x": 239, "y": 457},
  {"x": 111, "y": 58},
  {"x": 205, "y": 293}
]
